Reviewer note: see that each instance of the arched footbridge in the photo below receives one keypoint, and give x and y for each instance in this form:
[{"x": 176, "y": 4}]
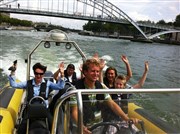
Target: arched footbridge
[{"x": 95, "y": 10}]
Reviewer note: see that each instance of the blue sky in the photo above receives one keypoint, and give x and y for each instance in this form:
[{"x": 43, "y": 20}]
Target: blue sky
[{"x": 153, "y": 10}]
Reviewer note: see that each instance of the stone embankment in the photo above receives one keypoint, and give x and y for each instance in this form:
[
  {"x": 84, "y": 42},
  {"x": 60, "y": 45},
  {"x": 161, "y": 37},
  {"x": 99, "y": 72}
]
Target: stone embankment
[
  {"x": 22, "y": 28},
  {"x": 5, "y": 27}
]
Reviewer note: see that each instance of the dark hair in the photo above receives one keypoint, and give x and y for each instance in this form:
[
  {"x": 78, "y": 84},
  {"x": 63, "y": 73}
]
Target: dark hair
[
  {"x": 38, "y": 65},
  {"x": 111, "y": 68},
  {"x": 70, "y": 66}
]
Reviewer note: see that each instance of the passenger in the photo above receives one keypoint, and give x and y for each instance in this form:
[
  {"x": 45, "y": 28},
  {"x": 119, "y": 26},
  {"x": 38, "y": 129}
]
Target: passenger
[
  {"x": 35, "y": 84},
  {"x": 121, "y": 83},
  {"x": 69, "y": 74},
  {"x": 91, "y": 70},
  {"x": 111, "y": 73}
]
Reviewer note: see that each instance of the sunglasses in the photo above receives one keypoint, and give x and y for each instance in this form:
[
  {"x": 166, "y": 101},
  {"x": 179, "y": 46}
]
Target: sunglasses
[{"x": 36, "y": 73}]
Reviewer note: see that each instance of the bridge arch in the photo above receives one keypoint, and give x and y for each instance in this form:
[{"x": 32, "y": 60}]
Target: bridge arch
[
  {"x": 163, "y": 32},
  {"x": 111, "y": 10}
]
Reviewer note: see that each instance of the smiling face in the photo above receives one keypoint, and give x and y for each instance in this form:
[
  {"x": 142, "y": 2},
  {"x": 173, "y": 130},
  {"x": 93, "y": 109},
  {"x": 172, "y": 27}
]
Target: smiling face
[
  {"x": 120, "y": 82},
  {"x": 91, "y": 70},
  {"x": 38, "y": 73},
  {"x": 92, "y": 74},
  {"x": 111, "y": 75},
  {"x": 70, "y": 71}
]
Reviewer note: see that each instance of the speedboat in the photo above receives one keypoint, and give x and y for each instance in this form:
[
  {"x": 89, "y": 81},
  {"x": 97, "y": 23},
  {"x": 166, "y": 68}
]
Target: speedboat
[
  {"x": 8, "y": 28},
  {"x": 13, "y": 100}
]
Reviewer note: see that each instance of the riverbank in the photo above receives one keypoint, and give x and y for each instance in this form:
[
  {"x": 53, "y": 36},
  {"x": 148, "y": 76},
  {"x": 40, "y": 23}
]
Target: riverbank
[
  {"x": 23, "y": 28},
  {"x": 131, "y": 38},
  {"x": 170, "y": 40}
]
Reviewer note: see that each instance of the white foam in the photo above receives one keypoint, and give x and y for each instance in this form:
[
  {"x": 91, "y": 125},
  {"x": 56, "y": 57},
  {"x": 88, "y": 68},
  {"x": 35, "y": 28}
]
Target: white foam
[{"x": 107, "y": 58}]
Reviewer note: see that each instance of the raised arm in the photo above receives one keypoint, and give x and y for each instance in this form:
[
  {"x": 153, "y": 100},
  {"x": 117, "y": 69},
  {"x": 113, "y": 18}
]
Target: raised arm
[
  {"x": 56, "y": 75},
  {"x": 128, "y": 67},
  {"x": 102, "y": 65},
  {"x": 143, "y": 78},
  {"x": 12, "y": 77},
  {"x": 60, "y": 70}
]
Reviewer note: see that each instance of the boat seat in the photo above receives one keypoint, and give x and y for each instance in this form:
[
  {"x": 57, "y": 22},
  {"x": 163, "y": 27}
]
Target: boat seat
[
  {"x": 39, "y": 131},
  {"x": 37, "y": 111},
  {"x": 37, "y": 118},
  {"x": 49, "y": 76}
]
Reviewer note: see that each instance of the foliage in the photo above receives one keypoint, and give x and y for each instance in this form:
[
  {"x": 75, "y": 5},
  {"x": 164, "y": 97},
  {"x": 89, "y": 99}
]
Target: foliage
[
  {"x": 109, "y": 28},
  {"x": 177, "y": 21},
  {"x": 161, "y": 22},
  {"x": 125, "y": 29},
  {"x": 14, "y": 21}
]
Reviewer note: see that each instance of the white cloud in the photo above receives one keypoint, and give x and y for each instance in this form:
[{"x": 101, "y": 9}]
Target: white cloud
[
  {"x": 137, "y": 16},
  {"x": 153, "y": 10}
]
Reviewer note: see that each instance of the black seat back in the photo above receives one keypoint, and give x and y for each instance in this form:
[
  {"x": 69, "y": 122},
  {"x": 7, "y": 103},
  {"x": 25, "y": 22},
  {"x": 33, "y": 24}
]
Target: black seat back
[
  {"x": 39, "y": 131},
  {"x": 37, "y": 118},
  {"x": 37, "y": 110}
]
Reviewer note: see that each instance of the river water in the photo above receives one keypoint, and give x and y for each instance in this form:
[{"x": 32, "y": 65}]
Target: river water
[{"x": 164, "y": 64}]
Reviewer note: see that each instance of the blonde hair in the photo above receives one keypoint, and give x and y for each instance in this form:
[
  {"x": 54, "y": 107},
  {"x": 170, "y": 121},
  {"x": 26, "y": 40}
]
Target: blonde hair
[
  {"x": 88, "y": 62},
  {"x": 121, "y": 77}
]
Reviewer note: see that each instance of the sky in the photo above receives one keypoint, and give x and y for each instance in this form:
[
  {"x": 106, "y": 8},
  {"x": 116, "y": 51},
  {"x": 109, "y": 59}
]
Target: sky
[{"x": 153, "y": 10}]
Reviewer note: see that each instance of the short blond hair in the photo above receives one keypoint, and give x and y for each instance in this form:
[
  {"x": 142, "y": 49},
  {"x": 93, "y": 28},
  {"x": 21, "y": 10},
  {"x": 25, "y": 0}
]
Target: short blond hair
[
  {"x": 121, "y": 77},
  {"x": 87, "y": 63}
]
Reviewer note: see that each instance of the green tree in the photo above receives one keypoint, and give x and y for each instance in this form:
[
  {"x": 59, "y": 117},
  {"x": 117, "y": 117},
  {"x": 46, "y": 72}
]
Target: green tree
[
  {"x": 14, "y": 21},
  {"x": 177, "y": 21},
  {"x": 161, "y": 22}
]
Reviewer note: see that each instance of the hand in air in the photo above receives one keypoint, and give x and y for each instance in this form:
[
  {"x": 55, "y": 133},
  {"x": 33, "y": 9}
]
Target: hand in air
[
  {"x": 146, "y": 63},
  {"x": 61, "y": 67},
  {"x": 124, "y": 59},
  {"x": 96, "y": 56},
  {"x": 13, "y": 67},
  {"x": 102, "y": 63}
]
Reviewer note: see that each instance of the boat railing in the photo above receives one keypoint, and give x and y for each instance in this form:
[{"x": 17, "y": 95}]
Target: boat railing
[{"x": 79, "y": 94}]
